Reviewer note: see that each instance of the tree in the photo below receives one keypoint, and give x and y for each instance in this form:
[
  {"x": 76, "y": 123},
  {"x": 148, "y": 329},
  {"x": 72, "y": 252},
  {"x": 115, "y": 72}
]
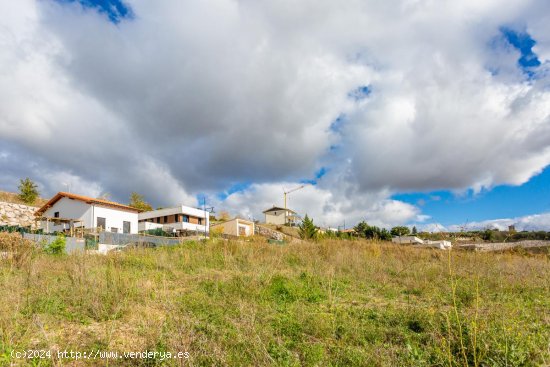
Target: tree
[
  {"x": 361, "y": 228},
  {"x": 400, "y": 231},
  {"x": 372, "y": 232},
  {"x": 137, "y": 201},
  {"x": 28, "y": 191},
  {"x": 224, "y": 216},
  {"x": 414, "y": 231},
  {"x": 307, "y": 229},
  {"x": 384, "y": 235}
]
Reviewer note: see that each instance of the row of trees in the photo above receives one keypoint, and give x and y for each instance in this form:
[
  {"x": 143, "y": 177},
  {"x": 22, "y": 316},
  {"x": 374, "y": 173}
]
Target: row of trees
[{"x": 308, "y": 230}]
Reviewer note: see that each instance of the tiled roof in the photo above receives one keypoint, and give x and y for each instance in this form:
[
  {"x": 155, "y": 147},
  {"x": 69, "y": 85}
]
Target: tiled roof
[{"x": 86, "y": 199}]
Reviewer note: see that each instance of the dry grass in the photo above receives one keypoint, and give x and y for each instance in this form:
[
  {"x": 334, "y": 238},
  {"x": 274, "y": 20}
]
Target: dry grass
[
  {"x": 10, "y": 197},
  {"x": 340, "y": 303}
]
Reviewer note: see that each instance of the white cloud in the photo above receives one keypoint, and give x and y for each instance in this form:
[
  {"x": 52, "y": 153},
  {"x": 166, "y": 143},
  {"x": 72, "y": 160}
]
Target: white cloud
[
  {"x": 322, "y": 205},
  {"x": 536, "y": 222},
  {"x": 192, "y": 97}
]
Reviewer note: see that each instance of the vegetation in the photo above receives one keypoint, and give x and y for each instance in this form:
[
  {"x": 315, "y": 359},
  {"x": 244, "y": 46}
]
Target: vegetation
[
  {"x": 10, "y": 197},
  {"x": 137, "y": 201},
  {"x": 57, "y": 247},
  {"x": 489, "y": 235},
  {"x": 372, "y": 232},
  {"x": 307, "y": 230},
  {"x": 28, "y": 191},
  {"x": 339, "y": 303},
  {"x": 400, "y": 231}
]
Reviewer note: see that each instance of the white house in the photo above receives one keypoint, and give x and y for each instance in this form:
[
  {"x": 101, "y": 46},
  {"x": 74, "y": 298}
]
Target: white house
[
  {"x": 66, "y": 211},
  {"x": 235, "y": 227},
  {"x": 281, "y": 216},
  {"x": 179, "y": 219}
]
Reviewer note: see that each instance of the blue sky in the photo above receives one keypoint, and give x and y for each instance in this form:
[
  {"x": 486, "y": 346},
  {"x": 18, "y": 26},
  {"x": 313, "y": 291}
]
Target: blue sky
[
  {"x": 382, "y": 117},
  {"x": 115, "y": 10},
  {"x": 503, "y": 201}
]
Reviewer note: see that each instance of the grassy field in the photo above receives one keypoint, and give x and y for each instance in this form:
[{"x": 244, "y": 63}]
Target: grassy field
[{"x": 334, "y": 303}]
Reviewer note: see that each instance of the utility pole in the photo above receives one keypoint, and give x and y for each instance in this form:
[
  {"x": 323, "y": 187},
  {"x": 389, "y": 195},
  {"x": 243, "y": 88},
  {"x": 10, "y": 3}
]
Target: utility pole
[{"x": 207, "y": 219}]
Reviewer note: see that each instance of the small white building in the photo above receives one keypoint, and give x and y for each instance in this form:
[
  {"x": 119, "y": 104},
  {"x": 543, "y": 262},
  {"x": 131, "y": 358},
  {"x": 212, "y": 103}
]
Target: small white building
[
  {"x": 281, "y": 216},
  {"x": 66, "y": 211},
  {"x": 180, "y": 219},
  {"x": 440, "y": 244},
  {"x": 407, "y": 240},
  {"x": 235, "y": 227}
]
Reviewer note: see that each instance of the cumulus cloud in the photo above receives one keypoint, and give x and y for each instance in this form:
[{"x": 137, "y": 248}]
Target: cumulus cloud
[
  {"x": 189, "y": 98},
  {"x": 535, "y": 222},
  {"x": 326, "y": 208}
]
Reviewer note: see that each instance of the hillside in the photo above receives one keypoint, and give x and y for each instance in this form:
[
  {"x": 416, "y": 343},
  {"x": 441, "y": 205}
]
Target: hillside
[
  {"x": 10, "y": 197},
  {"x": 340, "y": 303}
]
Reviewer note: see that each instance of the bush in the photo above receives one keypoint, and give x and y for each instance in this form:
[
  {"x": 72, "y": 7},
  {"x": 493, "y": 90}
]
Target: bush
[
  {"x": 307, "y": 229},
  {"x": 57, "y": 247},
  {"x": 15, "y": 248}
]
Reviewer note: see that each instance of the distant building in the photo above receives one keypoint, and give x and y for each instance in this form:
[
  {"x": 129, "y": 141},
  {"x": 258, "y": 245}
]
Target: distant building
[
  {"x": 235, "y": 227},
  {"x": 511, "y": 228},
  {"x": 65, "y": 212},
  {"x": 281, "y": 216},
  {"x": 440, "y": 244},
  {"x": 407, "y": 240},
  {"x": 180, "y": 219}
]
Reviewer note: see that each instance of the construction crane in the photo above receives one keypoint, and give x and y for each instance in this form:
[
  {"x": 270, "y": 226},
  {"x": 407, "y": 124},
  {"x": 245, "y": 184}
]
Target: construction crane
[{"x": 289, "y": 191}]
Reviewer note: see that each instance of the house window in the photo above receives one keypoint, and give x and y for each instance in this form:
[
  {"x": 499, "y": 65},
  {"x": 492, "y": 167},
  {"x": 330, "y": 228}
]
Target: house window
[
  {"x": 56, "y": 215},
  {"x": 165, "y": 219},
  {"x": 274, "y": 213},
  {"x": 114, "y": 229},
  {"x": 186, "y": 218},
  {"x": 101, "y": 223},
  {"x": 200, "y": 220},
  {"x": 126, "y": 227}
]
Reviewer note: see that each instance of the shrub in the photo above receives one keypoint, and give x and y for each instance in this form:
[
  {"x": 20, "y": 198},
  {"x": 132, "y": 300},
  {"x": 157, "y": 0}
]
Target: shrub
[
  {"x": 307, "y": 229},
  {"x": 15, "y": 248},
  {"x": 57, "y": 247}
]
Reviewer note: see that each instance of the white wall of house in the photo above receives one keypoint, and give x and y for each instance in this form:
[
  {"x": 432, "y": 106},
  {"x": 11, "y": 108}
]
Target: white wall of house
[
  {"x": 88, "y": 214},
  {"x": 276, "y": 217},
  {"x": 115, "y": 218},
  {"x": 68, "y": 209}
]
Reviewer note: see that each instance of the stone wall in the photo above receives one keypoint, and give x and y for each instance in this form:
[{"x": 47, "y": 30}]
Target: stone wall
[
  {"x": 269, "y": 233},
  {"x": 275, "y": 235},
  {"x": 17, "y": 214}
]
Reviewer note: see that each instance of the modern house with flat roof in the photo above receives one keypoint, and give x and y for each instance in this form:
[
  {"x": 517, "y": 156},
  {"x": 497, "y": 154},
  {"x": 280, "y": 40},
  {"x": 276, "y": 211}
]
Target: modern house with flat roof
[
  {"x": 180, "y": 219},
  {"x": 65, "y": 212}
]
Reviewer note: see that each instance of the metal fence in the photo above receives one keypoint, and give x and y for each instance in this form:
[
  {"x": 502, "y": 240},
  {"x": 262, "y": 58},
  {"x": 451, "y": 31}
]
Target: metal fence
[
  {"x": 72, "y": 244},
  {"x": 110, "y": 238}
]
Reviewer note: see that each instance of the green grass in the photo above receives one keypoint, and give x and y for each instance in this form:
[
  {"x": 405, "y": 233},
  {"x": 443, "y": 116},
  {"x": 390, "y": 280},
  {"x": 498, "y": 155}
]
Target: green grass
[{"x": 334, "y": 303}]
